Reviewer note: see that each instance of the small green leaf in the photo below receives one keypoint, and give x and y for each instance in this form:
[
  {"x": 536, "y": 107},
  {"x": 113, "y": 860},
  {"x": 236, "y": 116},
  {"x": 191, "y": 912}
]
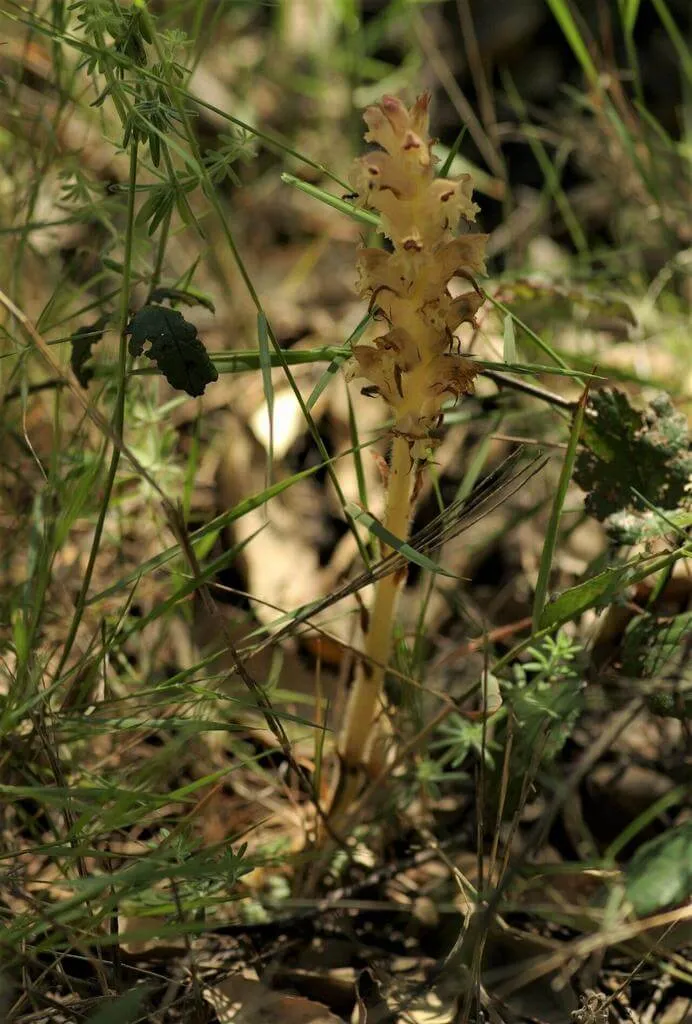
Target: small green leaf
[
  {"x": 113, "y": 265},
  {"x": 543, "y": 345},
  {"x": 156, "y": 206},
  {"x": 124, "y": 1010},
  {"x": 132, "y": 35},
  {"x": 660, "y": 873},
  {"x": 144, "y": 29},
  {"x": 600, "y": 589},
  {"x": 174, "y": 346},
  {"x": 239, "y": 361},
  {"x": 578, "y": 599},
  {"x": 20, "y": 635},
  {"x": 155, "y": 151},
  {"x": 82, "y": 342}
]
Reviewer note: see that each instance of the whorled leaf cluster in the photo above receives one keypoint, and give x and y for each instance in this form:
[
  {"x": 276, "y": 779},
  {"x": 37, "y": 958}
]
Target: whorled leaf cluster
[{"x": 413, "y": 365}]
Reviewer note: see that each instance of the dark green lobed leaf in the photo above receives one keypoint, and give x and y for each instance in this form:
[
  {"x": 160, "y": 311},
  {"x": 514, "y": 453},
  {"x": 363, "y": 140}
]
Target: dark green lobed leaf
[
  {"x": 627, "y": 451},
  {"x": 174, "y": 346}
]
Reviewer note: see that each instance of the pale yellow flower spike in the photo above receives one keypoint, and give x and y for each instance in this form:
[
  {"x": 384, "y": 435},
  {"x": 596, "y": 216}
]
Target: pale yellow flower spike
[
  {"x": 419, "y": 214},
  {"x": 412, "y": 364}
]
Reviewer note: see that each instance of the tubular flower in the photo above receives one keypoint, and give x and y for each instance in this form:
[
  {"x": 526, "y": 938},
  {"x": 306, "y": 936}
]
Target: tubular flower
[{"x": 412, "y": 365}]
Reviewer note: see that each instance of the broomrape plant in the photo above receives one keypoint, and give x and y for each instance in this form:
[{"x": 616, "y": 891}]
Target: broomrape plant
[{"x": 412, "y": 365}]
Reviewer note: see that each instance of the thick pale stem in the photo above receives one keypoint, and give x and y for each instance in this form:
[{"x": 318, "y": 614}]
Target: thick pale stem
[{"x": 364, "y": 699}]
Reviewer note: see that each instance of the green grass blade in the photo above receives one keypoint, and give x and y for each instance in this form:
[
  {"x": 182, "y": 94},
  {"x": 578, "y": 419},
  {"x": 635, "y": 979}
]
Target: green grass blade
[
  {"x": 357, "y": 454},
  {"x": 629, "y": 9},
  {"x": 543, "y": 345},
  {"x": 477, "y": 463},
  {"x": 449, "y": 159},
  {"x": 553, "y": 527},
  {"x": 654, "y": 811},
  {"x": 267, "y": 385},
  {"x": 550, "y": 168},
  {"x": 245, "y": 360},
  {"x": 676, "y": 37},
  {"x": 337, "y": 361},
  {"x": 383, "y": 534},
  {"x": 565, "y": 20},
  {"x": 509, "y": 342},
  {"x": 535, "y": 368},
  {"x": 342, "y": 205}
]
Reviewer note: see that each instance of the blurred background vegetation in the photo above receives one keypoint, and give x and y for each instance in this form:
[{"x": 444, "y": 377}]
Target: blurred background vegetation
[{"x": 180, "y": 575}]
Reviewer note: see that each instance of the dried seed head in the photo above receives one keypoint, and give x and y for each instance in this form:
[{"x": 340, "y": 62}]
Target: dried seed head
[{"x": 411, "y": 365}]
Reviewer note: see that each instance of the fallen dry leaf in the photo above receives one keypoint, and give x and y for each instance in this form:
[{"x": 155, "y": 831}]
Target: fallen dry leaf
[{"x": 239, "y": 1000}]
